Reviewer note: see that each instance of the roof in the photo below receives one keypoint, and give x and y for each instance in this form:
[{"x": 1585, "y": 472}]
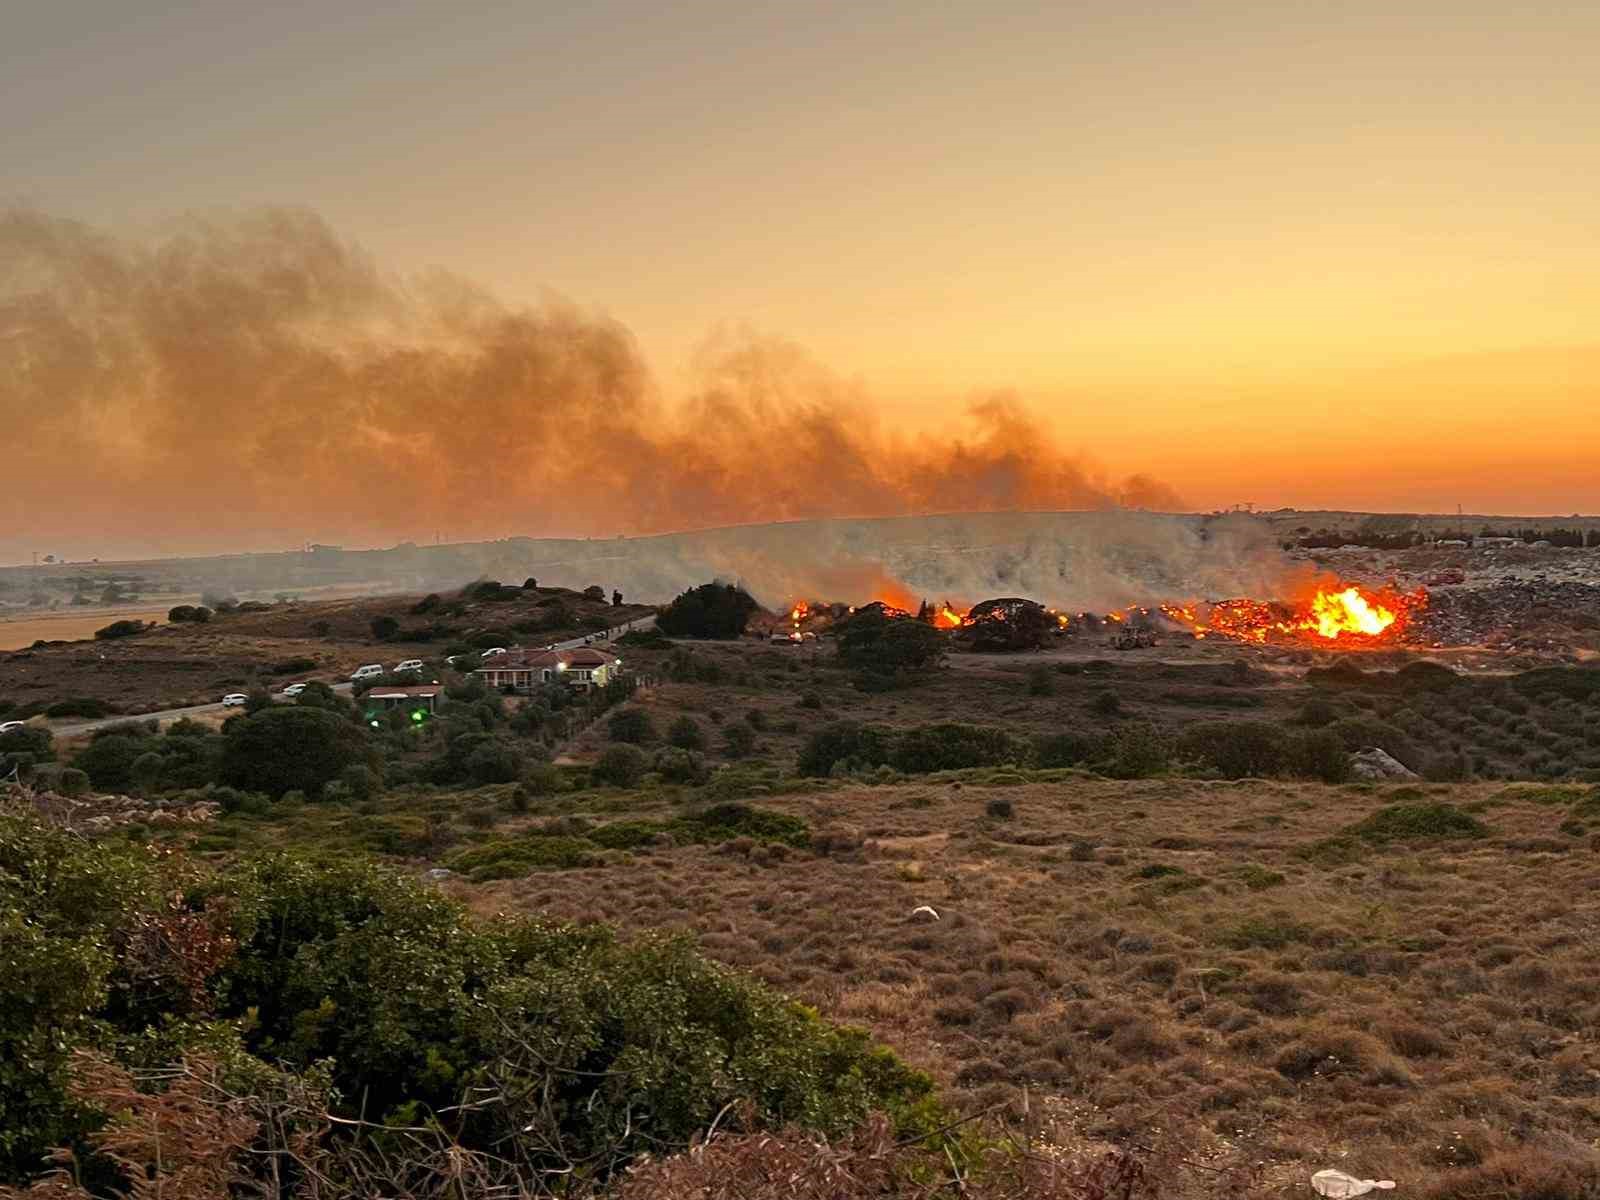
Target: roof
[
  {"x": 583, "y": 657},
  {"x": 393, "y": 692}
]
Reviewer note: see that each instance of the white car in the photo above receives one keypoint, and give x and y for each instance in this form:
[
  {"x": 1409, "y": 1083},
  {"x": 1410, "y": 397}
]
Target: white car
[
  {"x": 410, "y": 664},
  {"x": 235, "y": 700},
  {"x": 370, "y": 671},
  {"x": 294, "y": 689},
  {"x": 492, "y": 651},
  {"x": 8, "y": 726}
]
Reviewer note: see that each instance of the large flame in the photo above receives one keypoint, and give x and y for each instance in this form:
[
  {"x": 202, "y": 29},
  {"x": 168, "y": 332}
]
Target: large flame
[
  {"x": 1341, "y": 610},
  {"x": 1347, "y": 611}
]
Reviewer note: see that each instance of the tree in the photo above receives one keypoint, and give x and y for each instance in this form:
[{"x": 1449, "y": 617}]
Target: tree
[
  {"x": 890, "y": 647},
  {"x": 738, "y": 740},
  {"x": 109, "y": 760},
  {"x": 712, "y": 610},
  {"x": 595, "y": 592},
  {"x": 385, "y": 629},
  {"x": 631, "y": 725},
  {"x": 686, "y": 734},
  {"x": 620, "y": 765},
  {"x": 294, "y": 747},
  {"x": 616, "y": 598}
]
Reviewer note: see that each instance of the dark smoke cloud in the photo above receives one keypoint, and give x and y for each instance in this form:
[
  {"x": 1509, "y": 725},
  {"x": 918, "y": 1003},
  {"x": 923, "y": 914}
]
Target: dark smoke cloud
[{"x": 257, "y": 377}]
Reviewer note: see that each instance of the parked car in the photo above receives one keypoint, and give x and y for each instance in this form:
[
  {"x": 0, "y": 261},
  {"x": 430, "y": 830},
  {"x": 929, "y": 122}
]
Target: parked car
[
  {"x": 370, "y": 671},
  {"x": 410, "y": 664},
  {"x": 234, "y": 700},
  {"x": 492, "y": 651},
  {"x": 294, "y": 689},
  {"x": 8, "y": 726}
]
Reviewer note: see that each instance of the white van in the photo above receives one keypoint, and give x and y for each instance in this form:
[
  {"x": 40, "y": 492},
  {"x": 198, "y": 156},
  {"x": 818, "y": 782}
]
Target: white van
[
  {"x": 410, "y": 664},
  {"x": 370, "y": 671}
]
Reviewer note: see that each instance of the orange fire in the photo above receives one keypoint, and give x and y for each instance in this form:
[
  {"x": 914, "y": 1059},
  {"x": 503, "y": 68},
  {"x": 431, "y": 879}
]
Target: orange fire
[
  {"x": 948, "y": 618},
  {"x": 799, "y": 612},
  {"x": 1346, "y": 611}
]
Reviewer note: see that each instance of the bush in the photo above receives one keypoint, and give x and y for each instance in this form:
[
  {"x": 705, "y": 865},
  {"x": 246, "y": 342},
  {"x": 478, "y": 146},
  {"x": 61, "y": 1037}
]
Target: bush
[
  {"x": 80, "y": 707},
  {"x": 677, "y": 765},
  {"x": 1000, "y": 808},
  {"x": 120, "y": 629},
  {"x": 621, "y": 765},
  {"x": 712, "y": 610},
  {"x": 1041, "y": 682},
  {"x": 738, "y": 740},
  {"x": 1137, "y": 751},
  {"x": 385, "y": 629},
  {"x": 1106, "y": 704},
  {"x": 193, "y": 613},
  {"x": 1066, "y": 749},
  {"x": 72, "y": 782},
  {"x": 108, "y": 760},
  {"x": 843, "y": 742},
  {"x": 292, "y": 746},
  {"x": 889, "y": 648},
  {"x": 1317, "y": 754},
  {"x": 1418, "y": 822},
  {"x": 359, "y": 779},
  {"x": 1235, "y": 749},
  {"x": 950, "y": 746},
  {"x": 686, "y": 734},
  {"x": 426, "y": 1001},
  {"x": 632, "y": 726}
]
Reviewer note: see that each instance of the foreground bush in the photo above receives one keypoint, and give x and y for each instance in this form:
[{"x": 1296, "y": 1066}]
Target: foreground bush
[{"x": 582, "y": 1051}]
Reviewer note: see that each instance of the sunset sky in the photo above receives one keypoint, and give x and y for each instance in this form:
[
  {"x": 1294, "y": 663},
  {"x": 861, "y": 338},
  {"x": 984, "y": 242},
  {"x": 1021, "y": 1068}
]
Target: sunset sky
[{"x": 1288, "y": 253}]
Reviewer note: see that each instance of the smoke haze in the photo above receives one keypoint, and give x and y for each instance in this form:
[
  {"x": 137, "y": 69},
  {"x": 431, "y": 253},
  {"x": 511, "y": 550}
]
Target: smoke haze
[{"x": 256, "y": 380}]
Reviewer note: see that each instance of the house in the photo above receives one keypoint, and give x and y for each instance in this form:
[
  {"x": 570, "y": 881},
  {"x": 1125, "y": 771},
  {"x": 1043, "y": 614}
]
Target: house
[
  {"x": 418, "y": 700},
  {"x": 523, "y": 670}
]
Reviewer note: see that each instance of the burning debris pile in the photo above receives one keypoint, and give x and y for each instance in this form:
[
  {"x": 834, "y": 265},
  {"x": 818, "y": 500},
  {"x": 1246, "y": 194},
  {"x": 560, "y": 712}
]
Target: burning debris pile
[
  {"x": 1512, "y": 614},
  {"x": 1342, "y": 614},
  {"x": 1342, "y": 611}
]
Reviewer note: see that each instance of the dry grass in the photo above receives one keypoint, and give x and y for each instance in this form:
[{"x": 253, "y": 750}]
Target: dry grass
[{"x": 1425, "y": 1008}]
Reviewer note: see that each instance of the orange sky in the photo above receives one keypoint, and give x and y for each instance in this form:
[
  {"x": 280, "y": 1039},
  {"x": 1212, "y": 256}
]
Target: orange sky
[{"x": 1285, "y": 253}]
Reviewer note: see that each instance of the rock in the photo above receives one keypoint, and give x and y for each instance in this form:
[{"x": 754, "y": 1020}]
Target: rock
[
  {"x": 924, "y": 912},
  {"x": 1375, "y": 764},
  {"x": 437, "y": 874}
]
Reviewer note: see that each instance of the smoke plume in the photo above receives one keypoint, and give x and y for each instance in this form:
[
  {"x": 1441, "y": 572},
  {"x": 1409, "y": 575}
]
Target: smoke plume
[{"x": 257, "y": 379}]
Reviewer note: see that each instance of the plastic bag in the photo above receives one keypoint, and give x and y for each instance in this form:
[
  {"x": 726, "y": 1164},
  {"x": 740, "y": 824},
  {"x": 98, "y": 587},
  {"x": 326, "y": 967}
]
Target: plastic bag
[{"x": 1336, "y": 1185}]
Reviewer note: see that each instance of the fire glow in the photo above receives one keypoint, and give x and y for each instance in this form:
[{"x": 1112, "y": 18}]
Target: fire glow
[{"x": 1342, "y": 611}]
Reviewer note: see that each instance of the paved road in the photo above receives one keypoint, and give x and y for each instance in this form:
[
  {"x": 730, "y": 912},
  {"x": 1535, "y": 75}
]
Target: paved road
[{"x": 200, "y": 710}]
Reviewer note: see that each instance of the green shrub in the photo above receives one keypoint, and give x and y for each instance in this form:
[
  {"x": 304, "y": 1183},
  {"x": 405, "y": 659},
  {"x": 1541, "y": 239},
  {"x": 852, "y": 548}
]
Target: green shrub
[
  {"x": 846, "y": 743},
  {"x": 686, "y": 734},
  {"x": 1041, "y": 682},
  {"x": 738, "y": 740},
  {"x": 359, "y": 778},
  {"x": 120, "y": 629},
  {"x": 1136, "y": 751},
  {"x": 292, "y": 746},
  {"x": 632, "y": 726},
  {"x": 1317, "y": 754},
  {"x": 1066, "y": 749},
  {"x": 712, "y": 610},
  {"x": 1418, "y": 822},
  {"x": 82, "y": 706},
  {"x": 676, "y": 765},
  {"x": 1106, "y": 704},
  {"x": 621, "y": 765},
  {"x": 999, "y": 808},
  {"x": 1235, "y": 749},
  {"x": 950, "y": 746},
  {"x": 72, "y": 782}
]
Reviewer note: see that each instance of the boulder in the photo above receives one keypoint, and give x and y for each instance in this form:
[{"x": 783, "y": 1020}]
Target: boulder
[{"x": 1377, "y": 765}]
